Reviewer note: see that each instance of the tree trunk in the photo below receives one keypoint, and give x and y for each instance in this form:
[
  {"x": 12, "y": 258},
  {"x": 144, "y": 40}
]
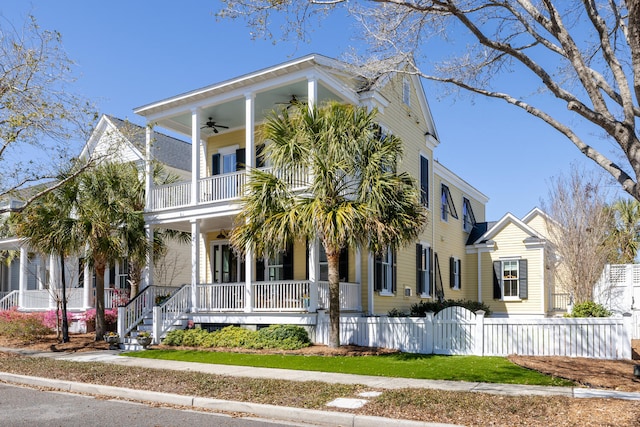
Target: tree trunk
[
  {"x": 333, "y": 261},
  {"x": 135, "y": 277},
  {"x": 99, "y": 268},
  {"x": 65, "y": 321}
]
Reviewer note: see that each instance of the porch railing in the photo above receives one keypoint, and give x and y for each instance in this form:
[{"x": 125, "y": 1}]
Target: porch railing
[
  {"x": 289, "y": 295},
  {"x": 560, "y": 301},
  {"x": 166, "y": 314},
  {"x": 37, "y": 299},
  {"x": 281, "y": 296},
  {"x": 9, "y": 300},
  {"x": 349, "y": 296},
  {"x": 220, "y": 297},
  {"x": 217, "y": 188}
]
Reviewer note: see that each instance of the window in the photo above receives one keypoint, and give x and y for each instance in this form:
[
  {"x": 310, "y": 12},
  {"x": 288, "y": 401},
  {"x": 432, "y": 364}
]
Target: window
[
  {"x": 227, "y": 160},
  {"x": 455, "y": 273},
  {"x": 447, "y": 208},
  {"x": 275, "y": 267},
  {"x": 406, "y": 92},
  {"x": 423, "y": 271},
  {"x": 468, "y": 219},
  {"x": 279, "y": 267},
  {"x": 510, "y": 279},
  {"x": 424, "y": 181},
  {"x": 384, "y": 280}
]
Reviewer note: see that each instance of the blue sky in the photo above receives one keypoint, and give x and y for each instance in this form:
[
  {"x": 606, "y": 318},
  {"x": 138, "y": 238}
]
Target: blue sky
[{"x": 130, "y": 53}]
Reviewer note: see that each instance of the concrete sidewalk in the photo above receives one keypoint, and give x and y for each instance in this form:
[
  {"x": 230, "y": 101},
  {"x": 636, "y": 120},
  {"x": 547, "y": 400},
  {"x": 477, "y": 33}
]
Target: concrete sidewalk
[{"x": 280, "y": 413}]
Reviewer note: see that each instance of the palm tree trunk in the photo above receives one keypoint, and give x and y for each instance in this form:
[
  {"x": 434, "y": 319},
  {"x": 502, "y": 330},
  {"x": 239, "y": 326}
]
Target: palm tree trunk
[
  {"x": 333, "y": 261},
  {"x": 99, "y": 267}
]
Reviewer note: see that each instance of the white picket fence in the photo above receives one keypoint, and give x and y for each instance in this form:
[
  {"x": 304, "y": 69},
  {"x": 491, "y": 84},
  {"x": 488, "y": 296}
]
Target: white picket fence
[{"x": 456, "y": 330}]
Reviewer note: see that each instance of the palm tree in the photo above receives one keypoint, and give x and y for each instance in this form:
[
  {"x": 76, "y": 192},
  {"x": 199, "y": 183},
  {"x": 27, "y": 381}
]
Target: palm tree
[
  {"x": 626, "y": 230},
  {"x": 48, "y": 227},
  {"x": 353, "y": 195}
]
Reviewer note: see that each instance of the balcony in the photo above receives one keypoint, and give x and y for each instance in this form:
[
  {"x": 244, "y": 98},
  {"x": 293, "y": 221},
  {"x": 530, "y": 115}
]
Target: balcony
[{"x": 213, "y": 189}]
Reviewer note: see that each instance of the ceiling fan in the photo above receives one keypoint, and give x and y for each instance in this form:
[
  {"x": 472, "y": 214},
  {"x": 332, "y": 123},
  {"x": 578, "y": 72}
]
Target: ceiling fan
[
  {"x": 293, "y": 101},
  {"x": 210, "y": 124}
]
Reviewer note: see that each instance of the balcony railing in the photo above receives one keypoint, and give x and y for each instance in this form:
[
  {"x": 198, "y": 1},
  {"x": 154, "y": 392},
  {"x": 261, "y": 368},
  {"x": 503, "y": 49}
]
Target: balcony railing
[{"x": 218, "y": 188}]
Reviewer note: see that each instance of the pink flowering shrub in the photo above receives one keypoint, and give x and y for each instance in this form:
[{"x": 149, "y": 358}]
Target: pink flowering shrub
[
  {"x": 110, "y": 316},
  {"x": 22, "y": 326},
  {"x": 50, "y": 319}
]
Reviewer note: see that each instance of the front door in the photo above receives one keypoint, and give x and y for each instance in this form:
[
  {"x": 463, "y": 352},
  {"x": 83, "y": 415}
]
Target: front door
[{"x": 225, "y": 267}]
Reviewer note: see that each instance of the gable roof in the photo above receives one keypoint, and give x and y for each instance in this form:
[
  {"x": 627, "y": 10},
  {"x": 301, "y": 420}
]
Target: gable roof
[
  {"x": 168, "y": 150},
  {"x": 492, "y": 231}
]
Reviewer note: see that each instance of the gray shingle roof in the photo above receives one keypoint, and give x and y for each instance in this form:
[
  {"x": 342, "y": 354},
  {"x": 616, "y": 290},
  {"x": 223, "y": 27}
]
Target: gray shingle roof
[{"x": 166, "y": 149}]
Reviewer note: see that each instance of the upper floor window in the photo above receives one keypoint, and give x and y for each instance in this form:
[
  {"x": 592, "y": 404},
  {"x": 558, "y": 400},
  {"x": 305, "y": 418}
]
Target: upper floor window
[
  {"x": 227, "y": 160},
  {"x": 468, "y": 218},
  {"x": 447, "y": 206},
  {"x": 424, "y": 181},
  {"x": 406, "y": 91},
  {"x": 510, "y": 279}
]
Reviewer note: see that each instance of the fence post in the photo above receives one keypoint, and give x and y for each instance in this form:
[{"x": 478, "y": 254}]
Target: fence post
[
  {"x": 479, "y": 333},
  {"x": 624, "y": 340},
  {"x": 429, "y": 332},
  {"x": 157, "y": 324}
]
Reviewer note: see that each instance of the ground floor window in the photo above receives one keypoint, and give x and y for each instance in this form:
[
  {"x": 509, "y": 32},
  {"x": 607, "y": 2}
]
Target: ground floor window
[
  {"x": 384, "y": 280},
  {"x": 510, "y": 279}
]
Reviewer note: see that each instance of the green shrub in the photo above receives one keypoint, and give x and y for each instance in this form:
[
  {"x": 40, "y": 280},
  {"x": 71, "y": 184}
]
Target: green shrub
[
  {"x": 394, "y": 312},
  {"x": 423, "y": 307},
  {"x": 174, "y": 337},
  {"x": 285, "y": 337},
  {"x": 26, "y": 327},
  {"x": 194, "y": 337},
  {"x": 589, "y": 309},
  {"x": 230, "y": 336}
]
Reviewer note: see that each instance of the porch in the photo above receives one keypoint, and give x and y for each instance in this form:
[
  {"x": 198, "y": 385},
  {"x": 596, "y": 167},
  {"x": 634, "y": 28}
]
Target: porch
[
  {"x": 160, "y": 309},
  {"x": 45, "y": 299}
]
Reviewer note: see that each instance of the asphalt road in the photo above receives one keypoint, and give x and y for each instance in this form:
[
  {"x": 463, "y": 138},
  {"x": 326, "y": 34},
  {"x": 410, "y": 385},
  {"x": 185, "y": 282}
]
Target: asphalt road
[{"x": 21, "y": 406}]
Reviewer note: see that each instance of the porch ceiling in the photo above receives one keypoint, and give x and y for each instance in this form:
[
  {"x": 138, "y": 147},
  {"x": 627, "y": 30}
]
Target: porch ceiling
[{"x": 231, "y": 112}]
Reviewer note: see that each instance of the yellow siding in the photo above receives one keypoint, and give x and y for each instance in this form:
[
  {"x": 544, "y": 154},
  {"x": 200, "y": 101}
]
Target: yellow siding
[{"x": 509, "y": 244}]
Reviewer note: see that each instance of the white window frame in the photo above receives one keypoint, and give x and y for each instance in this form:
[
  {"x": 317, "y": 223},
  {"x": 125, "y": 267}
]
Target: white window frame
[
  {"x": 456, "y": 274},
  {"x": 386, "y": 287},
  {"x": 276, "y": 264},
  {"x": 468, "y": 218},
  {"x": 447, "y": 208},
  {"x": 225, "y": 152},
  {"x": 424, "y": 270},
  {"x": 503, "y": 279}
]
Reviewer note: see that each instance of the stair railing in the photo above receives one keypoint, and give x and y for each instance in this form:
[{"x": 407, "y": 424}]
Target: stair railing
[
  {"x": 132, "y": 313},
  {"x": 9, "y": 300},
  {"x": 166, "y": 314}
]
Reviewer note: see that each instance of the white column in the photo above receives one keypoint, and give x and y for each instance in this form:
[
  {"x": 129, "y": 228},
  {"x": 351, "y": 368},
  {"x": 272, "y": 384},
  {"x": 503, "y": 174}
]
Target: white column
[
  {"x": 479, "y": 275},
  {"x": 195, "y": 263},
  {"x": 87, "y": 291},
  {"x": 312, "y": 90},
  {"x": 107, "y": 276},
  {"x": 147, "y": 274},
  {"x": 370, "y": 279},
  {"x": 248, "y": 279},
  {"x": 22, "y": 283},
  {"x": 314, "y": 267},
  {"x": 358, "y": 277},
  {"x": 54, "y": 273},
  {"x": 195, "y": 154},
  {"x": 148, "y": 187},
  {"x": 42, "y": 273},
  {"x": 250, "y": 145}
]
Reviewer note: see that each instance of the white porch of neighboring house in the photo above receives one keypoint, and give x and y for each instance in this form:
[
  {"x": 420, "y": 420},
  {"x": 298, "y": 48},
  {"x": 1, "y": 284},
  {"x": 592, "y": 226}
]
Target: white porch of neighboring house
[
  {"x": 32, "y": 282},
  {"x": 223, "y": 288}
]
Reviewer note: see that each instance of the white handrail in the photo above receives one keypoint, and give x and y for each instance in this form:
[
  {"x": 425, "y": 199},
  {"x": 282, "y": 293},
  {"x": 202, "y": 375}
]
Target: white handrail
[
  {"x": 221, "y": 296},
  {"x": 10, "y": 300},
  {"x": 166, "y": 314}
]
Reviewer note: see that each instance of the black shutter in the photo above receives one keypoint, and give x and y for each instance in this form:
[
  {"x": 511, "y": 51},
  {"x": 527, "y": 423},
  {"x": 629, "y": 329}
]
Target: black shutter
[
  {"x": 377, "y": 274},
  {"x": 260, "y": 270},
  {"x": 215, "y": 164},
  {"x": 287, "y": 263},
  {"x": 424, "y": 181},
  {"x": 260, "y": 155},
  {"x": 459, "y": 274},
  {"x": 522, "y": 275},
  {"x": 240, "y": 159},
  {"x": 343, "y": 268},
  {"x": 497, "y": 274},
  {"x": 306, "y": 257},
  {"x": 394, "y": 272},
  {"x": 419, "y": 274},
  {"x": 430, "y": 275},
  {"x": 452, "y": 276}
]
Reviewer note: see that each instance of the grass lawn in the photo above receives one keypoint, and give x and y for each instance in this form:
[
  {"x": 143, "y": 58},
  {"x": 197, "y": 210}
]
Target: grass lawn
[{"x": 401, "y": 365}]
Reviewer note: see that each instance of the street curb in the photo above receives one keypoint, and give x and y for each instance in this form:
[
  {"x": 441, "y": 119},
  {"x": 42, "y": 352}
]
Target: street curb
[{"x": 282, "y": 413}]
